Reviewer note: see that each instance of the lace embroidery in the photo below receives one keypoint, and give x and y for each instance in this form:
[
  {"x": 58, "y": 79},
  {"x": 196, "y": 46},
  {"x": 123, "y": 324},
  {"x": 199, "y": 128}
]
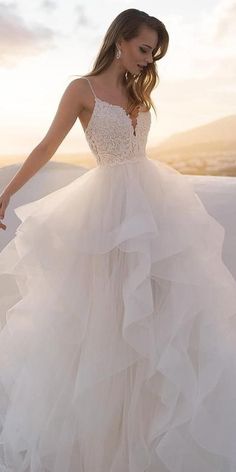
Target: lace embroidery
[{"x": 110, "y": 134}]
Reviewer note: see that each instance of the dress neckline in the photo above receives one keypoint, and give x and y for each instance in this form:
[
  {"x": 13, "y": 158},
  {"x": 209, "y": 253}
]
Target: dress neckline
[{"x": 97, "y": 99}]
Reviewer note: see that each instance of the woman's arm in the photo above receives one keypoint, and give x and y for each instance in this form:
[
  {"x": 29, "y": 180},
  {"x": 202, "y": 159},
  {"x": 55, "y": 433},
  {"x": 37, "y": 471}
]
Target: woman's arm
[{"x": 68, "y": 110}]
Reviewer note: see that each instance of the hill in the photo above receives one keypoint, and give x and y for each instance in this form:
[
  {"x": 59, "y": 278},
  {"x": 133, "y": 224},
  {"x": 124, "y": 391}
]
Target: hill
[{"x": 207, "y": 149}]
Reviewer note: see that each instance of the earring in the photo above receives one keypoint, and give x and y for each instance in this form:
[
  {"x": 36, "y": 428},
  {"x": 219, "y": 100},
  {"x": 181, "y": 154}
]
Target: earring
[{"x": 118, "y": 53}]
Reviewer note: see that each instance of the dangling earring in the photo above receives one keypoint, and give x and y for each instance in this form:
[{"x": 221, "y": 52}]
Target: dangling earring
[{"x": 118, "y": 53}]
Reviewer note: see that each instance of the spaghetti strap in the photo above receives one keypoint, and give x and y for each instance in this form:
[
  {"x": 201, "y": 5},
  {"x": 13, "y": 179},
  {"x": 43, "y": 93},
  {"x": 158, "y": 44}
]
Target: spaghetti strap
[{"x": 90, "y": 85}]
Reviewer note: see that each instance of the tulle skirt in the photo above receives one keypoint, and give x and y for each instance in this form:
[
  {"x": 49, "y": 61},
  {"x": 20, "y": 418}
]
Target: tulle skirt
[{"x": 117, "y": 329}]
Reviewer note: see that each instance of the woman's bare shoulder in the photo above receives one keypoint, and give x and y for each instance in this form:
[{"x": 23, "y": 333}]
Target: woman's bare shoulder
[
  {"x": 76, "y": 92},
  {"x": 80, "y": 86}
]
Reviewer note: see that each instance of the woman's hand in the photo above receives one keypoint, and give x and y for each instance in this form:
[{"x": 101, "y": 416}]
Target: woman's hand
[{"x": 4, "y": 201}]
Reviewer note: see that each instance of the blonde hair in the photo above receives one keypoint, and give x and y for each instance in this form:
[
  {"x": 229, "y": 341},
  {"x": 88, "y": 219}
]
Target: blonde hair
[{"x": 126, "y": 26}]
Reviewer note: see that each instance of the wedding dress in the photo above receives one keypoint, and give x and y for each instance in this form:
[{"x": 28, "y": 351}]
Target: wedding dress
[{"x": 118, "y": 320}]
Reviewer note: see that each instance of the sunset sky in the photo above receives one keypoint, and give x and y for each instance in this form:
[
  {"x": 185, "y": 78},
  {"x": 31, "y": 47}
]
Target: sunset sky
[{"x": 44, "y": 44}]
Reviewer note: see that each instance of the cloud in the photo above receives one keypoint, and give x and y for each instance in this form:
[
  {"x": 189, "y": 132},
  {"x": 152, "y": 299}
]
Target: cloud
[
  {"x": 18, "y": 40},
  {"x": 205, "y": 47},
  {"x": 224, "y": 19},
  {"x": 48, "y": 5},
  {"x": 218, "y": 38},
  {"x": 81, "y": 18}
]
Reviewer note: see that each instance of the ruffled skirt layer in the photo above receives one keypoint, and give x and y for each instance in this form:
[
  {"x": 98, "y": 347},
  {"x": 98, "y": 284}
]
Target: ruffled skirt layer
[{"x": 118, "y": 329}]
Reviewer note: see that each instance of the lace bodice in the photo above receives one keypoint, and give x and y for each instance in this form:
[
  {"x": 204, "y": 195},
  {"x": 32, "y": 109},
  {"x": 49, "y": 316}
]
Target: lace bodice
[{"x": 111, "y": 135}]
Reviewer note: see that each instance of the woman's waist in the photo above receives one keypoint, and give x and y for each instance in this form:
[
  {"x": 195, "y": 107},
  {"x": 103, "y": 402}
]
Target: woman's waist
[{"x": 122, "y": 159}]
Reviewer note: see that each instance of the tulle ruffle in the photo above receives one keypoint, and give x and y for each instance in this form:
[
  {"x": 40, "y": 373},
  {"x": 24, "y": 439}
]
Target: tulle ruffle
[{"x": 118, "y": 332}]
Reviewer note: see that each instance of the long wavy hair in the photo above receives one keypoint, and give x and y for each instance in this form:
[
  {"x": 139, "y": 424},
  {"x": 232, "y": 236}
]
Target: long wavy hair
[{"x": 126, "y": 26}]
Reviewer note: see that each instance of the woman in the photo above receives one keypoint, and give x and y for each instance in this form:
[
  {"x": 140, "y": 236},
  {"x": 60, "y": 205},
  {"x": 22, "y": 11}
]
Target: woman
[{"x": 117, "y": 347}]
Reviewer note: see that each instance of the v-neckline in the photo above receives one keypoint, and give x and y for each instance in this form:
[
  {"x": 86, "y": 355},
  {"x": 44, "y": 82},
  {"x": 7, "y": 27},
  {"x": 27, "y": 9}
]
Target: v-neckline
[{"x": 119, "y": 107}]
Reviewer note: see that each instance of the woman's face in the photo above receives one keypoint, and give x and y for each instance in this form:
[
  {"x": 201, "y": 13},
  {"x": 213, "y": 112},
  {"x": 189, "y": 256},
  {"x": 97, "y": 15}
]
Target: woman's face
[{"x": 138, "y": 51}]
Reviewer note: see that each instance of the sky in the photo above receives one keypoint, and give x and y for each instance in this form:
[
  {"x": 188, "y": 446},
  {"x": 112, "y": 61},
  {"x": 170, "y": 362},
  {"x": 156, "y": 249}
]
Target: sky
[{"x": 44, "y": 44}]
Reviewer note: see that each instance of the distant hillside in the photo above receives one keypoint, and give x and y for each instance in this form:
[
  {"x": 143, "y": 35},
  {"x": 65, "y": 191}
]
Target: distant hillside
[
  {"x": 206, "y": 149},
  {"x": 221, "y": 132}
]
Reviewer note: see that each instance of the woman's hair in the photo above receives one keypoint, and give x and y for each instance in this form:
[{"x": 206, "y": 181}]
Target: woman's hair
[{"x": 127, "y": 25}]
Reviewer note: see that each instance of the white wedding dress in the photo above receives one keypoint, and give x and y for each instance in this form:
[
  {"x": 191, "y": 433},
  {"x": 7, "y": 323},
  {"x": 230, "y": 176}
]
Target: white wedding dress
[{"x": 118, "y": 320}]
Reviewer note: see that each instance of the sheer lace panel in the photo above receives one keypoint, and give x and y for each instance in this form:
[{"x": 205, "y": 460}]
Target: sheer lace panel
[{"x": 110, "y": 133}]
